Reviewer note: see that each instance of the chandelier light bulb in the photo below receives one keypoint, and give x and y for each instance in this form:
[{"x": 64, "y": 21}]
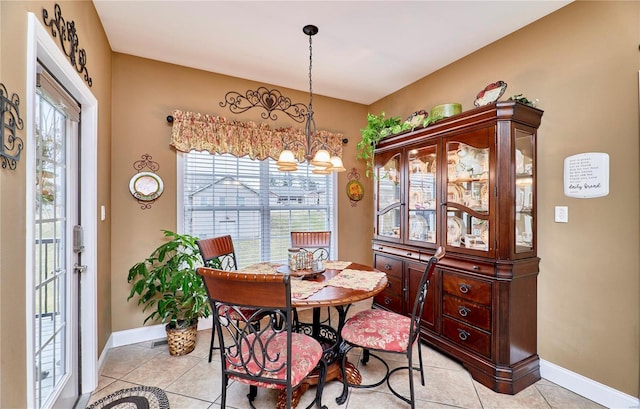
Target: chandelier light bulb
[{"x": 336, "y": 164}]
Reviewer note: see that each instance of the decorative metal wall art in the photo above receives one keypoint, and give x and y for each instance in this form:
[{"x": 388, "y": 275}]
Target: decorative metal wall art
[
  {"x": 355, "y": 189},
  {"x": 269, "y": 100},
  {"x": 66, "y": 32},
  {"x": 10, "y": 144},
  {"x": 146, "y": 187}
]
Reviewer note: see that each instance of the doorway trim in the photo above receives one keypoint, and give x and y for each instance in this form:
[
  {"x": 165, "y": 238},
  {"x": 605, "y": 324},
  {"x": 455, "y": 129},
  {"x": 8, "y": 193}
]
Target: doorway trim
[{"x": 40, "y": 46}]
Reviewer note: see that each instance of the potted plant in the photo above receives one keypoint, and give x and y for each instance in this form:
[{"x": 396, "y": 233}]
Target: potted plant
[
  {"x": 378, "y": 127},
  {"x": 168, "y": 285}
]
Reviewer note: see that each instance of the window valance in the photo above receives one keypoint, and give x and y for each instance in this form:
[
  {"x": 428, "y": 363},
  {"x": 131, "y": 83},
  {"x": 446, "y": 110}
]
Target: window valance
[{"x": 216, "y": 134}]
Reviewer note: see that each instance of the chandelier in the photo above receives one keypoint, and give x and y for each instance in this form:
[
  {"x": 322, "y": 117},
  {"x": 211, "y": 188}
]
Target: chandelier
[{"x": 324, "y": 162}]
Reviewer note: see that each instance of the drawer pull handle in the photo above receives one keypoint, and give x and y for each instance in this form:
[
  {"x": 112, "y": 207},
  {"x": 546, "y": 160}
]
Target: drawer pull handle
[
  {"x": 380, "y": 248},
  {"x": 409, "y": 254},
  {"x": 464, "y": 288},
  {"x": 476, "y": 268},
  {"x": 387, "y": 266},
  {"x": 387, "y": 300},
  {"x": 463, "y": 311},
  {"x": 463, "y": 335}
]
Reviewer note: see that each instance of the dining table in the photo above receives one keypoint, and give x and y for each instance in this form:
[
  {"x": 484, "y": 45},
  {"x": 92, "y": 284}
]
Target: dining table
[{"x": 339, "y": 284}]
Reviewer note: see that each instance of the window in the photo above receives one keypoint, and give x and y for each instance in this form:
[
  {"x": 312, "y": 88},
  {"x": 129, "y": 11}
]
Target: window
[{"x": 253, "y": 202}]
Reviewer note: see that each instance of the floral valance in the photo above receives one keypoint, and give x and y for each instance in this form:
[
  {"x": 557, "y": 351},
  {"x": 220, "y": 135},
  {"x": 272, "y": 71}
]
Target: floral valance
[{"x": 216, "y": 134}]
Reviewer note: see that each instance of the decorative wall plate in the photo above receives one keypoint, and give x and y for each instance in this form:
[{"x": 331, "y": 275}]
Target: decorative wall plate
[
  {"x": 355, "y": 190},
  {"x": 490, "y": 94},
  {"x": 146, "y": 186}
]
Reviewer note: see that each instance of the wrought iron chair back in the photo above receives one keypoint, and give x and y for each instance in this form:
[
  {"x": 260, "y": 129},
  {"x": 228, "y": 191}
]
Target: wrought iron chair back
[
  {"x": 218, "y": 252},
  {"x": 317, "y": 242},
  {"x": 259, "y": 355}
]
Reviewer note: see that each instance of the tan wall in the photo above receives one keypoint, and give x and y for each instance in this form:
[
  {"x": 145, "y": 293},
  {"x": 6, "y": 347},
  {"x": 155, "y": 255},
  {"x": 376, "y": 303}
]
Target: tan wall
[
  {"x": 582, "y": 63},
  {"x": 13, "y": 35},
  {"x": 145, "y": 92}
]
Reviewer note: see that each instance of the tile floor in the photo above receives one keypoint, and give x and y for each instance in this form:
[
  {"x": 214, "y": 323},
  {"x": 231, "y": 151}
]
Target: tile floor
[{"x": 191, "y": 382}]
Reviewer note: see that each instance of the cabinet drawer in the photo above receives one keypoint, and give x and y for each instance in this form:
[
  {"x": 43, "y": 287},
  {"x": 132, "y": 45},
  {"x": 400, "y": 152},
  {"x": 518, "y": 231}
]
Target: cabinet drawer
[
  {"x": 391, "y": 266},
  {"x": 414, "y": 254},
  {"x": 468, "y": 288},
  {"x": 474, "y": 314},
  {"x": 467, "y": 336},
  {"x": 388, "y": 301}
]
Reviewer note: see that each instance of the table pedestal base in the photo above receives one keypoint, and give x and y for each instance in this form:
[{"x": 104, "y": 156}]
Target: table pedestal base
[{"x": 333, "y": 372}]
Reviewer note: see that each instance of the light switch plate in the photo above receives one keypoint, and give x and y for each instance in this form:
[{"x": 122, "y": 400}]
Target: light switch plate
[{"x": 562, "y": 214}]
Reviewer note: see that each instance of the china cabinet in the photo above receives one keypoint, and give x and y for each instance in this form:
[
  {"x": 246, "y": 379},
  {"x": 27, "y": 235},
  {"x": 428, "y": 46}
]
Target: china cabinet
[{"x": 467, "y": 183}]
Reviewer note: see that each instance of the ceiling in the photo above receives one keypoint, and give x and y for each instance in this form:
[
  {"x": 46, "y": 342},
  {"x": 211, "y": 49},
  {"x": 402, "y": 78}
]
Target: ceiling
[{"x": 364, "y": 50}]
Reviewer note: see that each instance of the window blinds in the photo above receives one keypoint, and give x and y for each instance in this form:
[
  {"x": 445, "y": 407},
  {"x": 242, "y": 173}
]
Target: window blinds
[{"x": 254, "y": 203}]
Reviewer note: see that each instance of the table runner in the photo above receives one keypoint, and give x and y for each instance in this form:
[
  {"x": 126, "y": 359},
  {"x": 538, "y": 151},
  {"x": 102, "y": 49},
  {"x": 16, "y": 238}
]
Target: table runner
[
  {"x": 301, "y": 289},
  {"x": 356, "y": 279},
  {"x": 265, "y": 267},
  {"x": 336, "y": 265}
]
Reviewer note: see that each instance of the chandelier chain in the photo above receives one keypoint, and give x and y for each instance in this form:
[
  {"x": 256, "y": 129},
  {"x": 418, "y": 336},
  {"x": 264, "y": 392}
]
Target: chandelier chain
[{"x": 310, "y": 80}]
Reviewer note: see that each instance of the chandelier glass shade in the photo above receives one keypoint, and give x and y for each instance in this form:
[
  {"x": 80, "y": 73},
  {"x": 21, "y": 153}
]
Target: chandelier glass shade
[{"x": 323, "y": 160}]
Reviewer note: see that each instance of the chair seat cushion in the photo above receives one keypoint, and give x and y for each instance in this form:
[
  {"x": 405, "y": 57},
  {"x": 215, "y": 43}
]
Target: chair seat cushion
[
  {"x": 306, "y": 353},
  {"x": 378, "y": 329}
]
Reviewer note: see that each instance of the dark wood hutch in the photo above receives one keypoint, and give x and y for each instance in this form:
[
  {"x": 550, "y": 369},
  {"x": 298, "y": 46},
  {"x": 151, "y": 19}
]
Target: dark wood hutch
[{"x": 467, "y": 183}]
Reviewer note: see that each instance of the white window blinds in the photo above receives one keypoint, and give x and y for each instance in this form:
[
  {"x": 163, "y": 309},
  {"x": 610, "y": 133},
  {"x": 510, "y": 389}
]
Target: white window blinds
[{"x": 254, "y": 203}]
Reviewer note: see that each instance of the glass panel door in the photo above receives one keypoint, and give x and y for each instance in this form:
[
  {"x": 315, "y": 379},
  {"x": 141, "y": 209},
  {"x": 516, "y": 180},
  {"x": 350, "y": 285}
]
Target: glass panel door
[
  {"x": 55, "y": 292},
  {"x": 524, "y": 191},
  {"x": 387, "y": 179},
  {"x": 422, "y": 195},
  {"x": 468, "y": 193}
]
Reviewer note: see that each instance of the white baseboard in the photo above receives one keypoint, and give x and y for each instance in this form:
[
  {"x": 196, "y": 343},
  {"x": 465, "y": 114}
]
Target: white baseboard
[
  {"x": 590, "y": 389},
  {"x": 148, "y": 333}
]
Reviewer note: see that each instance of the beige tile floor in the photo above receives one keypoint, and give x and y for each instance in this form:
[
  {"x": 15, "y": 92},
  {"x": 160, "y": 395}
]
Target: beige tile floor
[{"x": 192, "y": 382}]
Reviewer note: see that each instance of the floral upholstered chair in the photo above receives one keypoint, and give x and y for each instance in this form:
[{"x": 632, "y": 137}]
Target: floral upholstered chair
[
  {"x": 270, "y": 357},
  {"x": 386, "y": 331}
]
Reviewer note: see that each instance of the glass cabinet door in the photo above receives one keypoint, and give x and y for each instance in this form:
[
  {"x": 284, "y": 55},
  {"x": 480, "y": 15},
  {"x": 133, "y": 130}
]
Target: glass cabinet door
[
  {"x": 524, "y": 192},
  {"x": 468, "y": 192},
  {"x": 388, "y": 216},
  {"x": 421, "y": 226}
]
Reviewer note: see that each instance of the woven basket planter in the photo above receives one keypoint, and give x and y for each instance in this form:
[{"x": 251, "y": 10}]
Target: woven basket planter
[{"x": 181, "y": 340}]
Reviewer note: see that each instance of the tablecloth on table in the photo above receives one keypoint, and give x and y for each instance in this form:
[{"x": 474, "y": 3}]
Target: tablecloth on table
[{"x": 356, "y": 279}]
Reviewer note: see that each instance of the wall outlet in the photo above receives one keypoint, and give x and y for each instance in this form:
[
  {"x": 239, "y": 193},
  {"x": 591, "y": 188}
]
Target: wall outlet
[{"x": 562, "y": 214}]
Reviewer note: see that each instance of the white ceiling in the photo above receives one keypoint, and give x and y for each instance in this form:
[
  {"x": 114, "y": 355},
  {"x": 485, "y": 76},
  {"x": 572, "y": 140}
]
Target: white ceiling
[{"x": 364, "y": 50}]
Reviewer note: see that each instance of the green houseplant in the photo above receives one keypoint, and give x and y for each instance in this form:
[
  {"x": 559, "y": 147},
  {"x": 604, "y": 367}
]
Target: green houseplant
[
  {"x": 379, "y": 127},
  {"x": 168, "y": 286}
]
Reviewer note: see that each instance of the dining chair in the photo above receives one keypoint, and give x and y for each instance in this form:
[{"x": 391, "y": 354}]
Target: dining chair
[
  {"x": 273, "y": 356},
  {"x": 218, "y": 252},
  {"x": 386, "y": 331},
  {"x": 318, "y": 243}
]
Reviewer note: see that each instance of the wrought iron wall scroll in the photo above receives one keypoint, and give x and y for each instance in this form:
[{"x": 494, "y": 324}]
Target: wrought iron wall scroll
[
  {"x": 66, "y": 32},
  {"x": 269, "y": 100},
  {"x": 10, "y": 144}
]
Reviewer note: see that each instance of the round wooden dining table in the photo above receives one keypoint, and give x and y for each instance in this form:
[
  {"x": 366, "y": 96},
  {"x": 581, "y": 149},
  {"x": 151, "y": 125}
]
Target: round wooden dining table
[{"x": 341, "y": 299}]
